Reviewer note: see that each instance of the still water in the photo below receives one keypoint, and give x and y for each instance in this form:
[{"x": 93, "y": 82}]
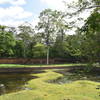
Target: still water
[
  {"x": 13, "y": 82},
  {"x": 69, "y": 77}
]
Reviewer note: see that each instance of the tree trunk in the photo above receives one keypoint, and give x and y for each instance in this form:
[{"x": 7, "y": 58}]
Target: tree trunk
[{"x": 47, "y": 55}]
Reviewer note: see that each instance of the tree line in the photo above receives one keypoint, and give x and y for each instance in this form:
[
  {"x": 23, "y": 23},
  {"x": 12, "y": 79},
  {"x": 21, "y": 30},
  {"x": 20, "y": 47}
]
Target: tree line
[{"x": 49, "y": 38}]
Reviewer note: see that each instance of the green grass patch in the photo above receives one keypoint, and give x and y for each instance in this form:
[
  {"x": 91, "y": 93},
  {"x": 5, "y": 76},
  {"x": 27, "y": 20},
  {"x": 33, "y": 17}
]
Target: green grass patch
[
  {"x": 41, "y": 90},
  {"x": 37, "y": 65}
]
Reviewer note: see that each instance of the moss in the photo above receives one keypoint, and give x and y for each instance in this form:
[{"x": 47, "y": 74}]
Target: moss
[
  {"x": 37, "y": 65},
  {"x": 41, "y": 90}
]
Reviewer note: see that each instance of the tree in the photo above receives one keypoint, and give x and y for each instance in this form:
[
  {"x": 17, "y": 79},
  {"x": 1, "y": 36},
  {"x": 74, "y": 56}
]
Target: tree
[
  {"x": 18, "y": 49},
  {"x": 87, "y": 35},
  {"x": 25, "y": 36},
  {"x": 59, "y": 48},
  {"x": 7, "y": 42},
  {"x": 76, "y": 10},
  {"x": 91, "y": 47},
  {"x": 39, "y": 51},
  {"x": 51, "y": 23}
]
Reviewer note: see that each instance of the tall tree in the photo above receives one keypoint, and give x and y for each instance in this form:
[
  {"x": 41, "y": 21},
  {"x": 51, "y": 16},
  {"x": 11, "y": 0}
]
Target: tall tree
[
  {"x": 91, "y": 37},
  {"x": 26, "y": 33},
  {"x": 51, "y": 23}
]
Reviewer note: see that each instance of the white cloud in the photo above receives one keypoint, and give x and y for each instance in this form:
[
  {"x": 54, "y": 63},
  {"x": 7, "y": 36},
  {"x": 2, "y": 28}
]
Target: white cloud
[
  {"x": 14, "y": 12},
  {"x": 57, "y": 4},
  {"x": 35, "y": 20},
  {"x": 18, "y": 2},
  {"x": 11, "y": 22},
  {"x": 13, "y": 2},
  {"x": 54, "y": 4},
  {"x": 4, "y": 1},
  {"x": 13, "y": 15}
]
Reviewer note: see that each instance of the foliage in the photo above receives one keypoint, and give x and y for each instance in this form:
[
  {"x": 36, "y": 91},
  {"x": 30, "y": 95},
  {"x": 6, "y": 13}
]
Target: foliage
[
  {"x": 25, "y": 38},
  {"x": 49, "y": 37},
  {"x": 7, "y": 42},
  {"x": 90, "y": 41},
  {"x": 39, "y": 51},
  {"x": 39, "y": 65}
]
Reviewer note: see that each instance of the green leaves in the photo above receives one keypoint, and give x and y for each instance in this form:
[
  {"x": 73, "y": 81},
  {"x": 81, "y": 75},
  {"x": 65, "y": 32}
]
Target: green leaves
[
  {"x": 39, "y": 50},
  {"x": 7, "y": 42}
]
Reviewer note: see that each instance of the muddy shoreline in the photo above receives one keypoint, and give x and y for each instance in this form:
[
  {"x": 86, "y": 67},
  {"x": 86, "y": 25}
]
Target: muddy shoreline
[{"x": 33, "y": 69}]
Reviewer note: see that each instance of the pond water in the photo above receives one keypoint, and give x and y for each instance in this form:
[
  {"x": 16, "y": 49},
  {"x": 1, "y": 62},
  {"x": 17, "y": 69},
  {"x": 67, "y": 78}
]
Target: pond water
[
  {"x": 13, "y": 82},
  {"x": 69, "y": 77}
]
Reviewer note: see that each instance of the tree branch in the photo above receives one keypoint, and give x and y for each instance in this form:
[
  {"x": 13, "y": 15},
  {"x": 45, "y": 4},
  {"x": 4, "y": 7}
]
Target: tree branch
[{"x": 93, "y": 6}]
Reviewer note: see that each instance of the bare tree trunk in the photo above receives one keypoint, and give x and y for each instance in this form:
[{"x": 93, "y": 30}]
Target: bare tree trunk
[{"x": 47, "y": 55}]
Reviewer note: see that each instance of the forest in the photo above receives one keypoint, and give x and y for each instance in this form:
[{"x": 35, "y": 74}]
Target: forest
[{"x": 49, "y": 37}]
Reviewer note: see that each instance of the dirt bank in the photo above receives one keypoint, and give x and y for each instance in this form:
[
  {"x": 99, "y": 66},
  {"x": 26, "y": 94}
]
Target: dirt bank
[{"x": 32, "y": 69}]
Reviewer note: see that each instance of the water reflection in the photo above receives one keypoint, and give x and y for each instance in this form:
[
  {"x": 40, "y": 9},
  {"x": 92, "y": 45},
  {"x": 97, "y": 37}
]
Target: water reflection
[
  {"x": 13, "y": 82},
  {"x": 69, "y": 77}
]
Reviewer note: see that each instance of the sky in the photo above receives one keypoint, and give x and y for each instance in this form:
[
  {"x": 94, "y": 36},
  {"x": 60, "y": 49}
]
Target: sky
[{"x": 16, "y": 12}]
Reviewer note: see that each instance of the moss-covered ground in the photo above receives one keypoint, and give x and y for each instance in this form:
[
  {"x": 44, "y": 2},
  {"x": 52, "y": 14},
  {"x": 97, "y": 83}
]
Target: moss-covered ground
[
  {"x": 41, "y": 90},
  {"x": 38, "y": 65}
]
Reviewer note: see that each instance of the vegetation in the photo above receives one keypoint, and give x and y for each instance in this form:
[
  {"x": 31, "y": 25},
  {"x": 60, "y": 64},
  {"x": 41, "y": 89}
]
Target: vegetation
[
  {"x": 38, "y": 65},
  {"x": 49, "y": 38},
  {"x": 41, "y": 90}
]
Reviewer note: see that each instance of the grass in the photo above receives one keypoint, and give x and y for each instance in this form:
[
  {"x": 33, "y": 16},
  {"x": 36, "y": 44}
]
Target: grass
[
  {"x": 41, "y": 90},
  {"x": 38, "y": 65}
]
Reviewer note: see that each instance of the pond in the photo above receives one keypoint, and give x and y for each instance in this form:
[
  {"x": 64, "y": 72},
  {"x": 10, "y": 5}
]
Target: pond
[
  {"x": 13, "y": 82},
  {"x": 69, "y": 77}
]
